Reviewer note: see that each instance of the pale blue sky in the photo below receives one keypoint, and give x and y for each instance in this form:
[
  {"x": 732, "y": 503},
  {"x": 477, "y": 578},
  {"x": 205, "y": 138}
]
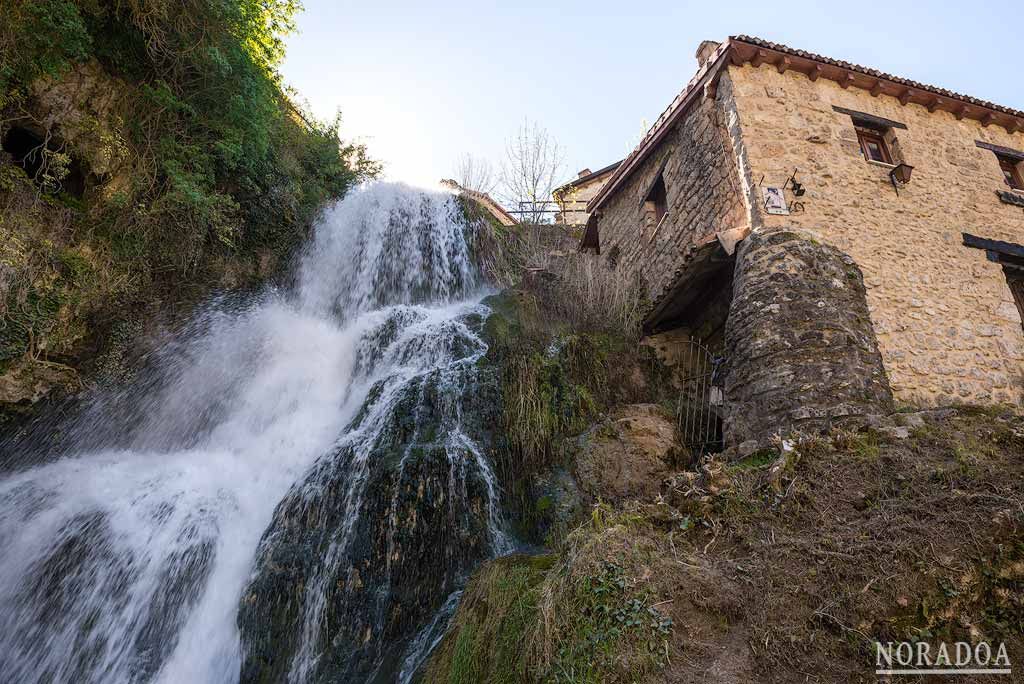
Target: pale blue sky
[{"x": 423, "y": 83}]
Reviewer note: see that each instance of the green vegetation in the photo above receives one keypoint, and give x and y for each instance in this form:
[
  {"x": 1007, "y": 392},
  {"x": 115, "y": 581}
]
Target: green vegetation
[
  {"x": 169, "y": 160},
  {"x": 771, "y": 567},
  {"x": 614, "y": 617},
  {"x": 759, "y": 459},
  {"x": 556, "y": 380},
  {"x": 578, "y": 616},
  {"x": 500, "y": 606},
  {"x": 222, "y": 157},
  {"x": 991, "y": 592}
]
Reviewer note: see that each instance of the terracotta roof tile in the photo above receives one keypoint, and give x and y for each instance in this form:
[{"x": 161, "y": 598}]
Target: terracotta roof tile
[
  {"x": 715, "y": 61},
  {"x": 584, "y": 179},
  {"x": 778, "y": 47}
]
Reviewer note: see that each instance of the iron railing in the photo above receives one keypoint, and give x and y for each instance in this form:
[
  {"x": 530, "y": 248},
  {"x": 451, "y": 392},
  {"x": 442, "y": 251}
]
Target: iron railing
[
  {"x": 537, "y": 212},
  {"x": 701, "y": 400}
]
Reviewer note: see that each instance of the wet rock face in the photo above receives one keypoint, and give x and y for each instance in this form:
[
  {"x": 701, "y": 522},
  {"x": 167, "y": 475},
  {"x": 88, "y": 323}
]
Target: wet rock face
[
  {"x": 363, "y": 552},
  {"x": 800, "y": 345}
]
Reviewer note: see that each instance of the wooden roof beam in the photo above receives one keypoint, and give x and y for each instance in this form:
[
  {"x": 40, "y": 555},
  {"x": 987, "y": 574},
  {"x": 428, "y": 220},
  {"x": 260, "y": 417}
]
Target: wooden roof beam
[{"x": 741, "y": 53}]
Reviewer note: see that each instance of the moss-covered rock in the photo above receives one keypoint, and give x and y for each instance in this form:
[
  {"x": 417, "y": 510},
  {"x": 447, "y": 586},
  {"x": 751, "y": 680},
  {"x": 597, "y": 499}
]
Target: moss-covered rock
[
  {"x": 488, "y": 639},
  {"x": 367, "y": 548},
  {"x": 584, "y": 614},
  {"x": 628, "y": 455},
  {"x": 557, "y": 382}
]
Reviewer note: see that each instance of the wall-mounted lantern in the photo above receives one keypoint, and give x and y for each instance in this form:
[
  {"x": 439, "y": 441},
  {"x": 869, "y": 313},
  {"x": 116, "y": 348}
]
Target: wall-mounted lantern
[
  {"x": 795, "y": 187},
  {"x": 900, "y": 175}
]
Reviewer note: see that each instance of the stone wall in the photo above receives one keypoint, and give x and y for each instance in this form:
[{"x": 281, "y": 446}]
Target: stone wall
[
  {"x": 572, "y": 203},
  {"x": 801, "y": 352},
  {"x": 946, "y": 322},
  {"x": 703, "y": 192}
]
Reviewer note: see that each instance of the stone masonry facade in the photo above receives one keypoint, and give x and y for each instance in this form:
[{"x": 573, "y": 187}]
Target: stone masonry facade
[
  {"x": 939, "y": 317},
  {"x": 801, "y": 351},
  {"x": 704, "y": 197},
  {"x": 947, "y": 325},
  {"x": 573, "y": 197}
]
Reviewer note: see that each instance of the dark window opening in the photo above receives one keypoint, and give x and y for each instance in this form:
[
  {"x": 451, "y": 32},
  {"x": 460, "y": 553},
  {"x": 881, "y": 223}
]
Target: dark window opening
[
  {"x": 656, "y": 202},
  {"x": 32, "y": 153},
  {"x": 874, "y": 146},
  {"x": 1015, "y": 279},
  {"x": 591, "y": 241},
  {"x": 613, "y": 257},
  {"x": 1011, "y": 172}
]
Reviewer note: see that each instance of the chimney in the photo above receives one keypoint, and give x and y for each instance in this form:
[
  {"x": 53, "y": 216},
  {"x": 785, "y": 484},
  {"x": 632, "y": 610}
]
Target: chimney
[
  {"x": 705, "y": 50},
  {"x": 582, "y": 173}
]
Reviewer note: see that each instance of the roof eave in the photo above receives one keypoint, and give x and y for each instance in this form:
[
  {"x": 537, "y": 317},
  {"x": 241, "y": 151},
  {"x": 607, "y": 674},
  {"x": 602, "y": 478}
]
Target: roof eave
[
  {"x": 590, "y": 177},
  {"x": 708, "y": 73},
  {"x": 757, "y": 52},
  {"x": 739, "y": 50}
]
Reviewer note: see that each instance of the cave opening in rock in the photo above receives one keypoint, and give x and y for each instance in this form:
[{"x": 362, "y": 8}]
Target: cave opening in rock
[
  {"x": 26, "y": 148},
  {"x": 34, "y": 152}
]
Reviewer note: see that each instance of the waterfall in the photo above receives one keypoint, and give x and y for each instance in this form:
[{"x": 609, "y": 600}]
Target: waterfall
[{"x": 296, "y": 488}]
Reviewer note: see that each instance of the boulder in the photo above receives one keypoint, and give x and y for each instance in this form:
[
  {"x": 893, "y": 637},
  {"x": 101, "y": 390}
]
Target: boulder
[{"x": 628, "y": 455}]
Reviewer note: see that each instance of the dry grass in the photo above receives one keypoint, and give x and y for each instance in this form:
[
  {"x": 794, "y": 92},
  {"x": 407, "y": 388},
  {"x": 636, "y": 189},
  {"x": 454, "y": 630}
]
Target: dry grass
[
  {"x": 860, "y": 539},
  {"x": 576, "y": 290},
  {"x": 786, "y": 572},
  {"x": 590, "y": 296}
]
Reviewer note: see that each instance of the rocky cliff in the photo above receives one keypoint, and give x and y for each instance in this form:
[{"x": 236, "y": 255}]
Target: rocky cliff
[
  {"x": 146, "y": 162},
  {"x": 755, "y": 564}
]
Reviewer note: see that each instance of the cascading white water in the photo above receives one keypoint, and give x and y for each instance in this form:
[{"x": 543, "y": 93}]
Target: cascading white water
[{"x": 128, "y": 564}]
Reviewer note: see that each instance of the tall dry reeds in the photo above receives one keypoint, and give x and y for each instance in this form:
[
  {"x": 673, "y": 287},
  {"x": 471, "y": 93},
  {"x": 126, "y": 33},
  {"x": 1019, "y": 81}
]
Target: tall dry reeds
[
  {"x": 578, "y": 291},
  {"x": 590, "y": 296}
]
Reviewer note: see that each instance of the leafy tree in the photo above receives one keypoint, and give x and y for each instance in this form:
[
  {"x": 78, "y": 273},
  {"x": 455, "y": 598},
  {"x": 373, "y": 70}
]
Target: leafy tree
[{"x": 221, "y": 159}]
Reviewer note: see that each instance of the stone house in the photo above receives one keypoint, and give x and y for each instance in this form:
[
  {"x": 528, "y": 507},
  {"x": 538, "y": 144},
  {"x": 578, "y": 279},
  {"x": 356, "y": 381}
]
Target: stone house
[
  {"x": 572, "y": 197},
  {"x": 842, "y": 238}
]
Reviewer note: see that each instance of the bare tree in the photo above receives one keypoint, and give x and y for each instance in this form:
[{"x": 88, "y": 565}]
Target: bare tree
[
  {"x": 533, "y": 163},
  {"x": 476, "y": 173}
]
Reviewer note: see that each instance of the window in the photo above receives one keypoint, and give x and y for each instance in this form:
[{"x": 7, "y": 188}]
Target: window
[
  {"x": 1015, "y": 279},
  {"x": 873, "y": 145},
  {"x": 591, "y": 237},
  {"x": 613, "y": 257},
  {"x": 876, "y": 136},
  {"x": 656, "y": 202},
  {"x": 1011, "y": 172}
]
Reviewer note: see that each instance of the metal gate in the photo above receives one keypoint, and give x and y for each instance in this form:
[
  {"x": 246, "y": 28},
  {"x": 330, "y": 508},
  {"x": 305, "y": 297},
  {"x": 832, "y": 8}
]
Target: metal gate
[{"x": 701, "y": 400}]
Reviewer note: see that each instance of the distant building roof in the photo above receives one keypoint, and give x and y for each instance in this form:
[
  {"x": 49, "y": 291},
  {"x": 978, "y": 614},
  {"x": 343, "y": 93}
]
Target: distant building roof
[
  {"x": 738, "y": 50},
  {"x": 585, "y": 176}
]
